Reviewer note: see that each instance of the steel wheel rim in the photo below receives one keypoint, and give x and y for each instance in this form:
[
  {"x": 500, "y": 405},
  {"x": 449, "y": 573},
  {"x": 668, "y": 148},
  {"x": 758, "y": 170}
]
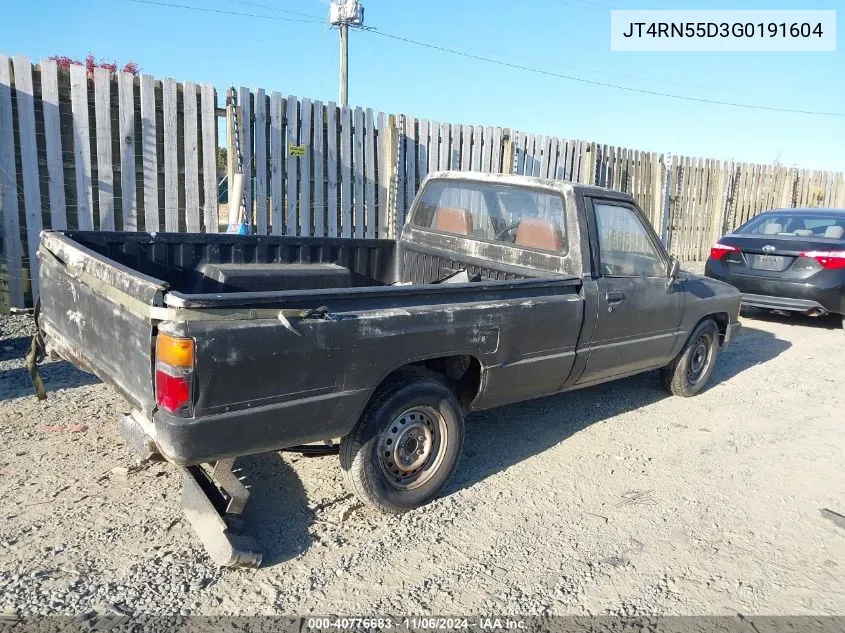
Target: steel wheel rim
[
  {"x": 411, "y": 449},
  {"x": 700, "y": 357}
]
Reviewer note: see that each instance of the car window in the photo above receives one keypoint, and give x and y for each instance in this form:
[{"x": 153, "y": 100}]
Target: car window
[
  {"x": 509, "y": 214},
  {"x": 625, "y": 248},
  {"x": 795, "y": 224}
]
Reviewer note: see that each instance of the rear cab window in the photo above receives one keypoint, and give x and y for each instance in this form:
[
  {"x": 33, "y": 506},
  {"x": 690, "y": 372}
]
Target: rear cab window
[{"x": 497, "y": 213}]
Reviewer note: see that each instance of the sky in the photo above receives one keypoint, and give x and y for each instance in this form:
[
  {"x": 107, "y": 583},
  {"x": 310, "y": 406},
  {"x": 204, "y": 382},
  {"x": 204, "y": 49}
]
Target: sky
[{"x": 569, "y": 37}]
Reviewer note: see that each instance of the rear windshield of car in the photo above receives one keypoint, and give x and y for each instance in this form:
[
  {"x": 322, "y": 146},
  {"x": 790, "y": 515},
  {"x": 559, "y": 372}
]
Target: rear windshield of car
[
  {"x": 507, "y": 214},
  {"x": 796, "y": 224}
]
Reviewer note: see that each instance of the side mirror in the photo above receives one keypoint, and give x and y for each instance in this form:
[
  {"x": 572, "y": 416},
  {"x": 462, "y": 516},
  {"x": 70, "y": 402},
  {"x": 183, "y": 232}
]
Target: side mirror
[{"x": 672, "y": 273}]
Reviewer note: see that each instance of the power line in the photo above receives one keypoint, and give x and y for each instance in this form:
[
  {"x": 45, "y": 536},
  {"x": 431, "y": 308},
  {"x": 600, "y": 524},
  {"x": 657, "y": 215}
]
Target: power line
[
  {"x": 224, "y": 12},
  {"x": 270, "y": 8},
  {"x": 592, "y": 82}
]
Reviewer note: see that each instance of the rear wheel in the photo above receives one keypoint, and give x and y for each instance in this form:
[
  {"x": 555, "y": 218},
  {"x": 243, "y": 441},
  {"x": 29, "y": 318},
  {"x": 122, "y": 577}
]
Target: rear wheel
[
  {"x": 406, "y": 444},
  {"x": 689, "y": 372}
]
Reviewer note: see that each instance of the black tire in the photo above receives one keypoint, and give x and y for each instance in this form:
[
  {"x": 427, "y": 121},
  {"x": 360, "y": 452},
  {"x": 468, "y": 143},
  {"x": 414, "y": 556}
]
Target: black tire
[
  {"x": 689, "y": 372},
  {"x": 426, "y": 422}
]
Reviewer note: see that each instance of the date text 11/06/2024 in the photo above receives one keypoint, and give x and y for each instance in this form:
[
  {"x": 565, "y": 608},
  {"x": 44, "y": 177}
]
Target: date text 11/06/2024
[
  {"x": 723, "y": 29},
  {"x": 414, "y": 623}
]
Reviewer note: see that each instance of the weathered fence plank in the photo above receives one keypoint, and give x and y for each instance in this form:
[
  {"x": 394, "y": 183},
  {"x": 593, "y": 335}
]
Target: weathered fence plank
[
  {"x": 245, "y": 102},
  {"x": 209, "y": 158},
  {"x": 319, "y": 156},
  {"x": 346, "y": 171},
  {"x": 333, "y": 168},
  {"x": 487, "y": 150},
  {"x": 305, "y": 200},
  {"x": 370, "y": 154},
  {"x": 192, "y": 171},
  {"x": 423, "y": 147},
  {"x": 260, "y": 134},
  {"x": 126, "y": 135},
  {"x": 411, "y": 152},
  {"x": 433, "y": 145},
  {"x": 358, "y": 168},
  {"x": 171, "y": 156},
  {"x": 12, "y": 257},
  {"x": 276, "y": 174},
  {"x": 496, "y": 153},
  {"x": 398, "y": 212},
  {"x": 149, "y": 152},
  {"x": 455, "y": 147},
  {"x": 292, "y": 127},
  {"x": 25, "y": 98},
  {"x": 105, "y": 172},
  {"x": 82, "y": 148},
  {"x": 53, "y": 144},
  {"x": 384, "y": 175},
  {"x": 443, "y": 159}
]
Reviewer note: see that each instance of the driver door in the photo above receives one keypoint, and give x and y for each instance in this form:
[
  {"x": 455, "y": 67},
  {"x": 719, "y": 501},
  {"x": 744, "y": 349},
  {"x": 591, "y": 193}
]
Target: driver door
[{"x": 638, "y": 318}]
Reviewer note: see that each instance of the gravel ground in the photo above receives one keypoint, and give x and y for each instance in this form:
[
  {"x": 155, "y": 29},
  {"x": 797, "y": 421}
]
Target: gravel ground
[{"x": 611, "y": 500}]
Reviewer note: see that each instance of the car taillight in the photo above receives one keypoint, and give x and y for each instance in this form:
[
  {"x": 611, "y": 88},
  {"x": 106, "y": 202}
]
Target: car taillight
[
  {"x": 718, "y": 251},
  {"x": 827, "y": 259},
  {"x": 174, "y": 379}
]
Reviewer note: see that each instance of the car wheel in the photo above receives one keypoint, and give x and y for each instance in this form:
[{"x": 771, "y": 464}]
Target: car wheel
[
  {"x": 689, "y": 372},
  {"x": 406, "y": 444}
]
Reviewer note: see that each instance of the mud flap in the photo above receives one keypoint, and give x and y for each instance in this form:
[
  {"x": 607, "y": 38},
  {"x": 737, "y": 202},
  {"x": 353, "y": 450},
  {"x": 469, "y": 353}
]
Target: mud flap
[{"x": 208, "y": 510}]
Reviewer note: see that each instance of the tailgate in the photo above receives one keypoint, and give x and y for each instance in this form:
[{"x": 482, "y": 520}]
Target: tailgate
[{"x": 95, "y": 313}]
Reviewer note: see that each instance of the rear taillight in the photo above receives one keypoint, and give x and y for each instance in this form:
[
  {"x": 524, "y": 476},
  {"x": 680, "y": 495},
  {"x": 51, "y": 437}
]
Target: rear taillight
[
  {"x": 174, "y": 379},
  {"x": 827, "y": 259},
  {"x": 718, "y": 251}
]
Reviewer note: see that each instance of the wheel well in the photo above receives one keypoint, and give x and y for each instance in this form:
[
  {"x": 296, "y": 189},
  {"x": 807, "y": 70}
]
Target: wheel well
[{"x": 460, "y": 373}]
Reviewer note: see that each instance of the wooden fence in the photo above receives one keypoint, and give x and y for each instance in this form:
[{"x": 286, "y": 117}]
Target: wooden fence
[{"x": 116, "y": 152}]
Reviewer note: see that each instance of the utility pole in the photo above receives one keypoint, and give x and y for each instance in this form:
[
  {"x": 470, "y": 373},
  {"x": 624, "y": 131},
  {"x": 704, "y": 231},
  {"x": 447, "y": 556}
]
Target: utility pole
[
  {"x": 344, "y": 64},
  {"x": 342, "y": 14}
]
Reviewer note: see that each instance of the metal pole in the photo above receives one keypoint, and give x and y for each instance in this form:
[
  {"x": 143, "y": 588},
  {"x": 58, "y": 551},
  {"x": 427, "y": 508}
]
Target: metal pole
[{"x": 344, "y": 63}]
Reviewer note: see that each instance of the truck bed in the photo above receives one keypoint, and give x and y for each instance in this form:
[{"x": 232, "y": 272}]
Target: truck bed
[
  {"x": 105, "y": 296},
  {"x": 205, "y": 263}
]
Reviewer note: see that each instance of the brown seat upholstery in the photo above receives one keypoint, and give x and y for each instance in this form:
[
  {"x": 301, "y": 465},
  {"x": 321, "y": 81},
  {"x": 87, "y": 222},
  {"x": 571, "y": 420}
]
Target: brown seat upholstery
[
  {"x": 538, "y": 233},
  {"x": 453, "y": 220}
]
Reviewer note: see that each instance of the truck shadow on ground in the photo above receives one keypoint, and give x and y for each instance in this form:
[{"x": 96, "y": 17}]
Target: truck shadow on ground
[
  {"x": 500, "y": 438},
  {"x": 16, "y": 383},
  {"x": 277, "y": 514}
]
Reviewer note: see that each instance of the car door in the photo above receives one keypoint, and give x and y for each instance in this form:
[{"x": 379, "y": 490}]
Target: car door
[{"x": 638, "y": 315}]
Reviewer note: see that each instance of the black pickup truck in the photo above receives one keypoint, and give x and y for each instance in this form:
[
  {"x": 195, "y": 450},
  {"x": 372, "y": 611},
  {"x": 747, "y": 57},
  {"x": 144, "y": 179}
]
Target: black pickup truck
[{"x": 501, "y": 289}]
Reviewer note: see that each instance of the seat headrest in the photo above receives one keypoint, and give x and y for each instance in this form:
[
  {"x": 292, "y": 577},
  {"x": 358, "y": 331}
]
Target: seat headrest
[
  {"x": 834, "y": 231},
  {"x": 453, "y": 220},
  {"x": 803, "y": 232},
  {"x": 539, "y": 233},
  {"x": 772, "y": 228}
]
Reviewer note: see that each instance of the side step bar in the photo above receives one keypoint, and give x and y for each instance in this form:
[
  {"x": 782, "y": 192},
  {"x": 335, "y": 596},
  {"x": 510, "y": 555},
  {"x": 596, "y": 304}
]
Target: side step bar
[{"x": 212, "y": 514}]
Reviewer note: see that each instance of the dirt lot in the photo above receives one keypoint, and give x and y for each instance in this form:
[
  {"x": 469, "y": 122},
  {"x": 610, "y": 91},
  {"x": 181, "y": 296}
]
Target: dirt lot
[{"x": 616, "y": 499}]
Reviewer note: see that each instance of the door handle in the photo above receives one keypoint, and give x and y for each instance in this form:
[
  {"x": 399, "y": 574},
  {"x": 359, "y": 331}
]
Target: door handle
[{"x": 614, "y": 297}]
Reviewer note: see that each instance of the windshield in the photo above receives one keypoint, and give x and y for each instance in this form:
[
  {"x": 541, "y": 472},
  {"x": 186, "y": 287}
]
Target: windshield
[
  {"x": 796, "y": 224},
  {"x": 498, "y": 213}
]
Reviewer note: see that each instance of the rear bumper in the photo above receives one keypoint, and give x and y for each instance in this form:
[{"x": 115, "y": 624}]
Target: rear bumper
[
  {"x": 187, "y": 441},
  {"x": 805, "y": 306},
  {"x": 823, "y": 291}
]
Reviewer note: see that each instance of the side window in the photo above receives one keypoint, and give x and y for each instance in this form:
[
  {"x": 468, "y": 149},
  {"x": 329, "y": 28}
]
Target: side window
[{"x": 625, "y": 249}]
